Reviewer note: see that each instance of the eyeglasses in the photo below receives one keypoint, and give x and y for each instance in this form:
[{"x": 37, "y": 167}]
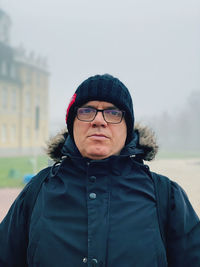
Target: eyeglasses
[{"x": 110, "y": 115}]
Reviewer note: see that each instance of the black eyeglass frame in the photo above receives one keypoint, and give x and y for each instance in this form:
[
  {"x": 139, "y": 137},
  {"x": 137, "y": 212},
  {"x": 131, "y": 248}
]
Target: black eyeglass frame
[{"x": 102, "y": 111}]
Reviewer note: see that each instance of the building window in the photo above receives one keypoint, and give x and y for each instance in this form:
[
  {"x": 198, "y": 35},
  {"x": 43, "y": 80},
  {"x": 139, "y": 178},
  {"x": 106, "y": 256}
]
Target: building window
[
  {"x": 4, "y": 68},
  {"x": 37, "y": 100},
  {"x": 13, "y": 133},
  {"x": 37, "y": 118},
  {"x": 3, "y": 133},
  {"x": 28, "y": 133},
  {"x": 28, "y": 101},
  {"x": 14, "y": 99},
  {"x": 4, "y": 98}
]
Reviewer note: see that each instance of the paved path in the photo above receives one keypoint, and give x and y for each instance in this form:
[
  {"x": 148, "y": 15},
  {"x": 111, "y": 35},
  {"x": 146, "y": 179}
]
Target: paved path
[
  {"x": 185, "y": 172},
  {"x": 7, "y": 196}
]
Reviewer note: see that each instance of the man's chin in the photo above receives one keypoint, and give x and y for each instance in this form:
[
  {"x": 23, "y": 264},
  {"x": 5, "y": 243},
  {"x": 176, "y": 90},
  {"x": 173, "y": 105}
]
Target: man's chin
[{"x": 97, "y": 153}]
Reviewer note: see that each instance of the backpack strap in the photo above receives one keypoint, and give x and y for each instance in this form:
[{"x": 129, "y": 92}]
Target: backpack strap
[
  {"x": 162, "y": 186},
  {"x": 33, "y": 188}
]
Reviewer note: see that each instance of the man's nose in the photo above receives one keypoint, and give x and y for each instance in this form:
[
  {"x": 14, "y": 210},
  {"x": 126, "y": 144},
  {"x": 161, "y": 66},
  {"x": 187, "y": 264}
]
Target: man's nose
[{"x": 99, "y": 119}]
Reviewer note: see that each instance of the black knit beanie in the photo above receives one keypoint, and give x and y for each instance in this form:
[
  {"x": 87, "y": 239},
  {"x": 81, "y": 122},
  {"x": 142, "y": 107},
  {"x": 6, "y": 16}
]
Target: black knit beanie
[{"x": 103, "y": 88}]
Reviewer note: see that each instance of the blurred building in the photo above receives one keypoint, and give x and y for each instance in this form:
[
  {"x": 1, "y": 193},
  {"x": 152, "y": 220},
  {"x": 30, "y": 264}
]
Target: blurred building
[{"x": 23, "y": 97}]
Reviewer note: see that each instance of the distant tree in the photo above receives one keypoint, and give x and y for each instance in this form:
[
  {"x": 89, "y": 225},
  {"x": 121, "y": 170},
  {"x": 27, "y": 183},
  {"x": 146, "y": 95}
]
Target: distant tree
[
  {"x": 193, "y": 108},
  {"x": 180, "y": 132}
]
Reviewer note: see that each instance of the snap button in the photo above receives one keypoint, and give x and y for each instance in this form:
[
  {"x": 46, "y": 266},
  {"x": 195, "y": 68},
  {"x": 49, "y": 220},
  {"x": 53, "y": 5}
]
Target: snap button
[
  {"x": 92, "y": 195},
  {"x": 84, "y": 260},
  {"x": 92, "y": 179},
  {"x": 94, "y": 262}
]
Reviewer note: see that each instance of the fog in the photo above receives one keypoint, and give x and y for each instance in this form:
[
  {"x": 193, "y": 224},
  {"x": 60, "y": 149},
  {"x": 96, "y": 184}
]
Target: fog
[{"x": 152, "y": 46}]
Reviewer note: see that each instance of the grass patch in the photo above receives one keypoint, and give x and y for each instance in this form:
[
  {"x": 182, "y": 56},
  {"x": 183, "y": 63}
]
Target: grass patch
[
  {"x": 177, "y": 154},
  {"x": 13, "y": 169}
]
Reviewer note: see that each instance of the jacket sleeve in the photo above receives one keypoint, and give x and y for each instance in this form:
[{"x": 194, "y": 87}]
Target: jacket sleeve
[
  {"x": 13, "y": 237},
  {"x": 184, "y": 231}
]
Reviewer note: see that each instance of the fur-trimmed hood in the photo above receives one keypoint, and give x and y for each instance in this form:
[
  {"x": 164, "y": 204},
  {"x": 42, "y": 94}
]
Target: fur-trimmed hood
[{"x": 144, "y": 141}]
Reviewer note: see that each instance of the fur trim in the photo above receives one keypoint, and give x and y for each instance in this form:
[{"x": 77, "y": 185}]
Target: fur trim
[
  {"x": 55, "y": 144},
  {"x": 147, "y": 142}
]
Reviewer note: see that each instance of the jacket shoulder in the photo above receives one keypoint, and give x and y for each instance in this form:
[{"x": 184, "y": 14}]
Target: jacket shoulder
[{"x": 184, "y": 230}]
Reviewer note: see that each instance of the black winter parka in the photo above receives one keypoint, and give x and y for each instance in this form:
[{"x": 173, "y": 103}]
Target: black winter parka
[{"x": 100, "y": 213}]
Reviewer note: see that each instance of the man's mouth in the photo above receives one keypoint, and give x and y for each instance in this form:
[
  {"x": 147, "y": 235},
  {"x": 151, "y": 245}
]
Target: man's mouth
[{"x": 98, "y": 136}]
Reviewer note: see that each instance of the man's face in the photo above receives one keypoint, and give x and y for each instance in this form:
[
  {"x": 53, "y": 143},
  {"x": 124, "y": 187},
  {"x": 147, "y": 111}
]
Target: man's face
[{"x": 98, "y": 139}]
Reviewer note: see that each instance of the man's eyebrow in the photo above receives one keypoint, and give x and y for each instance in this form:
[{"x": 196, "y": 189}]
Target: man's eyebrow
[
  {"x": 87, "y": 106},
  {"x": 90, "y": 106}
]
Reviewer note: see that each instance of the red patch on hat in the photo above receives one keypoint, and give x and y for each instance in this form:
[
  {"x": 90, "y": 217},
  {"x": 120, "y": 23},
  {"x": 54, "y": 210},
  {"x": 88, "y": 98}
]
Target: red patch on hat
[{"x": 70, "y": 104}]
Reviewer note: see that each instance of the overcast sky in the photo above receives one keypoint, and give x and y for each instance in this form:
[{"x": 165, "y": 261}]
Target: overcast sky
[{"x": 152, "y": 46}]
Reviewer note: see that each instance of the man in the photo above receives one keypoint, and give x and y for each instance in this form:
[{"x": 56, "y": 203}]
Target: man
[{"x": 98, "y": 205}]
